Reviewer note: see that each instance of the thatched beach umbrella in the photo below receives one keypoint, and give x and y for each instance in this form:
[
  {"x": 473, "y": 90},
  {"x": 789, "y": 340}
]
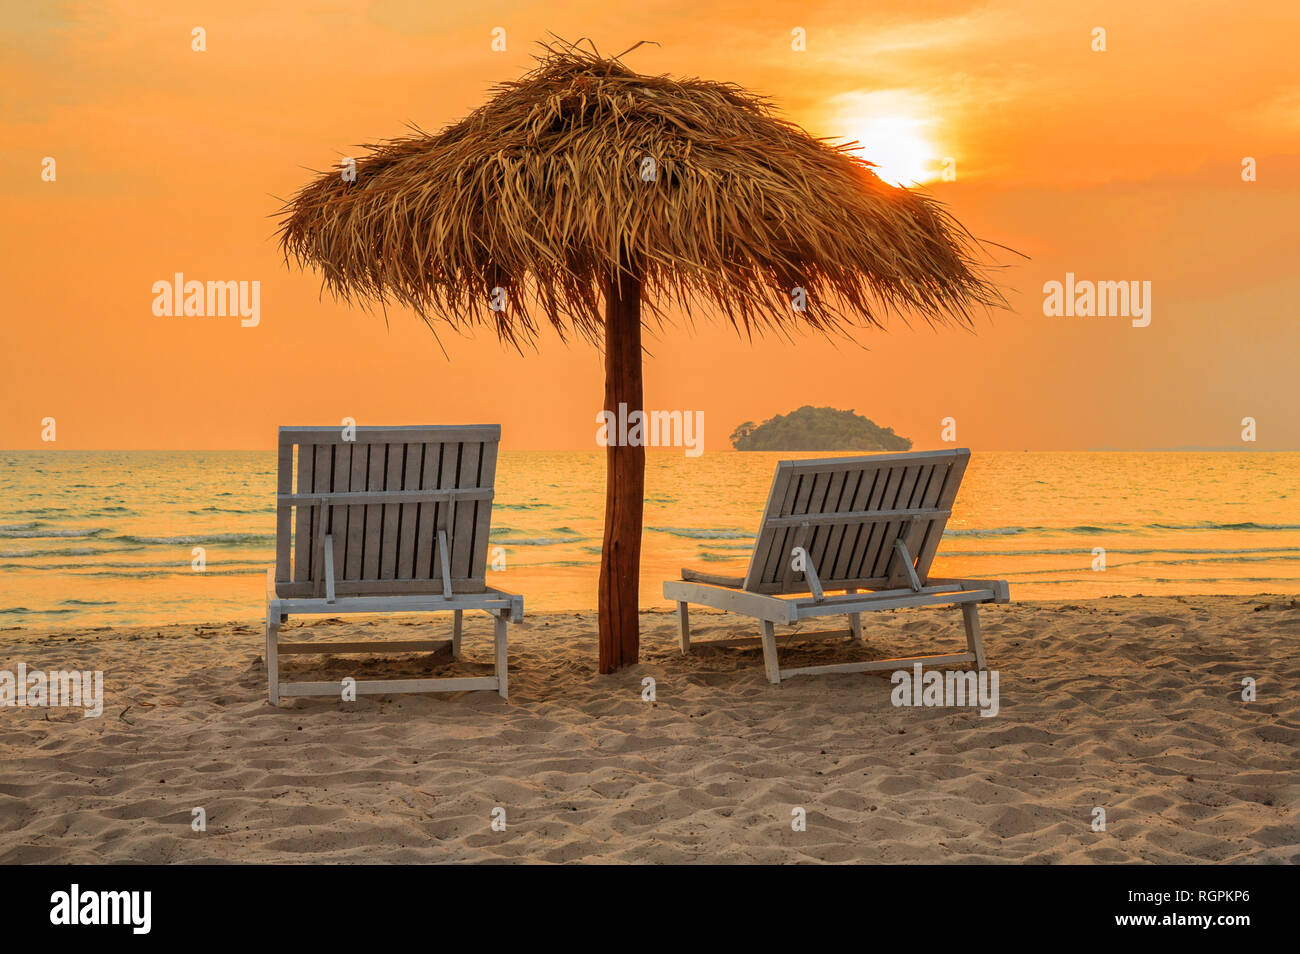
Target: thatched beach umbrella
[{"x": 583, "y": 191}]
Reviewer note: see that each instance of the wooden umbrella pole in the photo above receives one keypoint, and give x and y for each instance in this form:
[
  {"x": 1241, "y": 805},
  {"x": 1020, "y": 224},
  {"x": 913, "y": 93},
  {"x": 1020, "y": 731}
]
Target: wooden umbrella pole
[{"x": 620, "y": 557}]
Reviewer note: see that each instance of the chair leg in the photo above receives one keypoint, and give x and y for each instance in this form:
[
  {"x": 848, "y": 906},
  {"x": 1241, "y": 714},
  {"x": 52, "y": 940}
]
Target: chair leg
[
  {"x": 684, "y": 626},
  {"x": 770, "y": 662},
  {"x": 273, "y": 657},
  {"x": 503, "y": 689},
  {"x": 855, "y": 622},
  {"x": 974, "y": 642},
  {"x": 457, "y": 624}
]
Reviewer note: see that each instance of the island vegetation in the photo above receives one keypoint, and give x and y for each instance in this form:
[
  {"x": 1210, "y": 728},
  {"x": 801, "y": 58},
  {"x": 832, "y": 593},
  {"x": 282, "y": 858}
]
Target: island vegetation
[{"x": 817, "y": 429}]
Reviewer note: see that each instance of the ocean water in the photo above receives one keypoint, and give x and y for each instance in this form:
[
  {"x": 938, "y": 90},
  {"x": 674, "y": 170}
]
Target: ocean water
[{"x": 99, "y": 538}]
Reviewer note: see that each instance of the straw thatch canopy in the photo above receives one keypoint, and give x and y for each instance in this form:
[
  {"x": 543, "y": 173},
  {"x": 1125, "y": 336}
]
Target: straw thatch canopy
[{"x": 541, "y": 191}]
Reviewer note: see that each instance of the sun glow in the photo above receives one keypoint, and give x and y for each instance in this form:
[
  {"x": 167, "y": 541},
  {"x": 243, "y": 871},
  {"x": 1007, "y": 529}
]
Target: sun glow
[{"x": 898, "y": 147}]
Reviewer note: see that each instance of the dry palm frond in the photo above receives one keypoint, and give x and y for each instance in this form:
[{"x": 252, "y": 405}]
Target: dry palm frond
[{"x": 541, "y": 192}]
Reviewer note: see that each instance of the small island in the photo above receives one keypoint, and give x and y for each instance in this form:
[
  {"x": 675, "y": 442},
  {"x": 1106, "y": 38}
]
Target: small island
[{"x": 817, "y": 429}]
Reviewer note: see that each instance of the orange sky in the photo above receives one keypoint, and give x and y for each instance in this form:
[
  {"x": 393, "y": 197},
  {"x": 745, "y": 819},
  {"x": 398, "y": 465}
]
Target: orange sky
[{"x": 1122, "y": 165}]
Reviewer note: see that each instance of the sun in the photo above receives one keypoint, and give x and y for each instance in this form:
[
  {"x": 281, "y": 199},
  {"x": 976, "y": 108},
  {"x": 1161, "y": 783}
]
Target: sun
[{"x": 898, "y": 147}]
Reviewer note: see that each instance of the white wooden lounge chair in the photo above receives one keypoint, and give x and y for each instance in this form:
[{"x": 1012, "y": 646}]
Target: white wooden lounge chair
[
  {"x": 393, "y": 521},
  {"x": 849, "y": 524}
]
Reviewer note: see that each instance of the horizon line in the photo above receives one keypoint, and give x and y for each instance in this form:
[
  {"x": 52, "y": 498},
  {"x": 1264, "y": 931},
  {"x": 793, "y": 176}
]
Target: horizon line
[{"x": 1186, "y": 449}]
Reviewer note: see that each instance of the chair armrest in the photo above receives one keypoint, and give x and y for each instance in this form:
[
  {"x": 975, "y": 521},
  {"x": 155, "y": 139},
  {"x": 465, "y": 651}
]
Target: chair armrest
[
  {"x": 1000, "y": 588},
  {"x": 713, "y": 579},
  {"x": 272, "y": 598}
]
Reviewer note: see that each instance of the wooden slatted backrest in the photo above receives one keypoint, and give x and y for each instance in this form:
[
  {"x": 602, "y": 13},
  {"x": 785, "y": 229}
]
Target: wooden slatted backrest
[
  {"x": 383, "y": 498},
  {"x": 847, "y": 512}
]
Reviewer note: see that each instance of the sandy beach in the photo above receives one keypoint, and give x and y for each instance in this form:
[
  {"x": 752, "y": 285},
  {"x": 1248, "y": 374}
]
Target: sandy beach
[{"x": 1128, "y": 704}]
